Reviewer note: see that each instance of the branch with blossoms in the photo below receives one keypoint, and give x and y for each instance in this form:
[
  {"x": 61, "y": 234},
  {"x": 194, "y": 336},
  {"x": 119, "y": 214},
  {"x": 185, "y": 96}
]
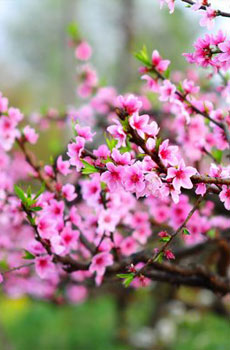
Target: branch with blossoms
[
  {"x": 208, "y": 16},
  {"x": 132, "y": 207}
]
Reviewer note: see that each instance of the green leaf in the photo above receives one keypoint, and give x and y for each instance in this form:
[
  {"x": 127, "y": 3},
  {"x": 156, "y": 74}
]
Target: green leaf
[
  {"x": 72, "y": 30},
  {"x": 186, "y": 231},
  {"x": 143, "y": 57},
  {"x": 217, "y": 154},
  {"x": 211, "y": 233},
  {"x": 89, "y": 168},
  {"x": 167, "y": 73},
  {"x": 36, "y": 208},
  {"x": 159, "y": 258},
  {"x": 27, "y": 255},
  {"x": 20, "y": 194},
  {"x": 29, "y": 191},
  {"x": 128, "y": 278},
  {"x": 42, "y": 189},
  {"x": 111, "y": 143},
  {"x": 165, "y": 239},
  {"x": 158, "y": 142}
]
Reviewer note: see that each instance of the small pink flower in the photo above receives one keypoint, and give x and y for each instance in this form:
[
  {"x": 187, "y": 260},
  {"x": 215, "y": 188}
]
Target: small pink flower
[
  {"x": 113, "y": 176},
  {"x": 1, "y": 278},
  {"x": 108, "y": 220},
  {"x": 128, "y": 246},
  {"x": 63, "y": 166},
  {"x": 201, "y": 189},
  {"x": 168, "y": 154},
  {"x": 100, "y": 262},
  {"x": 83, "y": 51},
  {"x": 44, "y": 266},
  {"x": 225, "y": 196},
  {"x": 208, "y": 17},
  {"x": 160, "y": 64},
  {"x": 85, "y": 132},
  {"x": 3, "y": 103},
  {"x": 118, "y": 133},
  {"x": 121, "y": 158},
  {"x": 68, "y": 191},
  {"x": 169, "y": 254},
  {"x": 75, "y": 150},
  {"x": 30, "y": 135},
  {"x": 134, "y": 179},
  {"x": 225, "y": 48},
  {"x": 49, "y": 170},
  {"x": 181, "y": 175},
  {"x": 139, "y": 123},
  {"x": 46, "y": 226},
  {"x": 77, "y": 294},
  {"x": 167, "y": 91},
  {"x": 131, "y": 103}
]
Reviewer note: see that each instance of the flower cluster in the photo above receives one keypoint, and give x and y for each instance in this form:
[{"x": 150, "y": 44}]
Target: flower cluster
[{"x": 116, "y": 206}]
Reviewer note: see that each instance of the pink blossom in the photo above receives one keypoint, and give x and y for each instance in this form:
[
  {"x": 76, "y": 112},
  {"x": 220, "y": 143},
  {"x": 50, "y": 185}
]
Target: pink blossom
[
  {"x": 167, "y": 91},
  {"x": 208, "y": 17},
  {"x": 30, "y": 134},
  {"x": 108, "y": 220},
  {"x": 69, "y": 237},
  {"x": 128, "y": 246},
  {"x": 139, "y": 123},
  {"x": 130, "y": 103},
  {"x": 46, "y": 226},
  {"x": 134, "y": 179},
  {"x": 201, "y": 189},
  {"x": 118, "y": 133},
  {"x": 168, "y": 154},
  {"x": 63, "y": 166},
  {"x": 83, "y": 51},
  {"x": 84, "y": 132},
  {"x": 113, "y": 176},
  {"x": 169, "y": 3},
  {"x": 225, "y": 196},
  {"x": 68, "y": 191},
  {"x": 3, "y": 103},
  {"x": 225, "y": 48},
  {"x": 121, "y": 158},
  {"x": 44, "y": 266},
  {"x": 75, "y": 150},
  {"x": 100, "y": 262},
  {"x": 77, "y": 294},
  {"x": 160, "y": 64},
  {"x": 1, "y": 278},
  {"x": 169, "y": 254},
  {"x": 181, "y": 175}
]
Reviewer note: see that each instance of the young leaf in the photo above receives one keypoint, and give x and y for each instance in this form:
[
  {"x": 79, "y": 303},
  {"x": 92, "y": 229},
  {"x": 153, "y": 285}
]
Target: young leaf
[
  {"x": 111, "y": 143},
  {"x": 20, "y": 193},
  {"x": 142, "y": 56},
  {"x": 186, "y": 231},
  {"x": 217, "y": 154},
  {"x": 128, "y": 278},
  {"x": 72, "y": 30},
  {"x": 35, "y": 208},
  {"x": 27, "y": 255},
  {"x": 89, "y": 168}
]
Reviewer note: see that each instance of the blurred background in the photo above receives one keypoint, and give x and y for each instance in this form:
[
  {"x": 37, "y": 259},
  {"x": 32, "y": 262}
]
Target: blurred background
[{"x": 38, "y": 69}]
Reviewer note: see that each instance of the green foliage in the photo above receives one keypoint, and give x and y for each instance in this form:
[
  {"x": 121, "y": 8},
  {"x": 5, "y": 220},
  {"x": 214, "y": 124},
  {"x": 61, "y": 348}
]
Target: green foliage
[
  {"x": 72, "y": 30},
  {"x": 217, "y": 154},
  {"x": 143, "y": 57},
  {"x": 111, "y": 142},
  {"x": 128, "y": 278},
  {"x": 89, "y": 168},
  {"x": 27, "y": 255},
  {"x": 186, "y": 231},
  {"x": 26, "y": 197}
]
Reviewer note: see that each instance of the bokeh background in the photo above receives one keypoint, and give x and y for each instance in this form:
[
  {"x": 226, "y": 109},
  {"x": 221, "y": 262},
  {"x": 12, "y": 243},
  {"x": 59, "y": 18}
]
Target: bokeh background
[{"x": 37, "y": 69}]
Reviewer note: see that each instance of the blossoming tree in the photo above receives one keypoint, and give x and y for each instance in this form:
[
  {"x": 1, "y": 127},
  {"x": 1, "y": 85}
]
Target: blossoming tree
[{"x": 150, "y": 203}]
